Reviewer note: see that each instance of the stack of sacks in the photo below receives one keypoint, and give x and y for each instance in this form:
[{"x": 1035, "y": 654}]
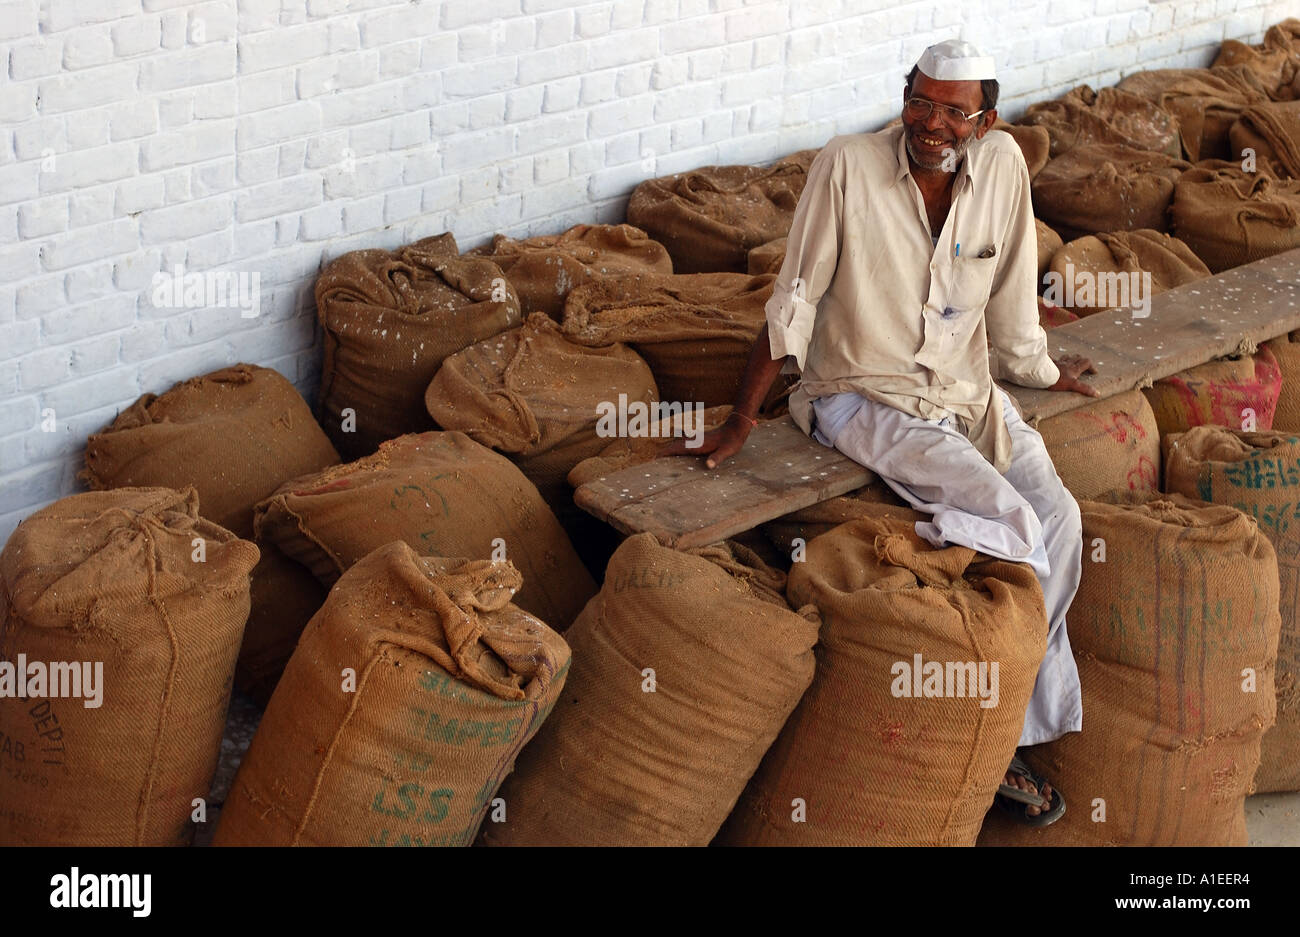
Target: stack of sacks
[
  {"x": 710, "y": 218},
  {"x": 444, "y": 495},
  {"x": 542, "y": 399},
  {"x": 1178, "y": 605},
  {"x": 685, "y": 667},
  {"x": 1106, "y": 445},
  {"x": 1086, "y": 116},
  {"x": 1273, "y": 132},
  {"x": 767, "y": 258},
  {"x": 1231, "y": 391},
  {"x": 1275, "y": 62},
  {"x": 235, "y": 435},
  {"x": 109, "y": 594},
  {"x": 1113, "y": 266},
  {"x": 401, "y": 711},
  {"x": 390, "y": 318},
  {"x": 1049, "y": 242},
  {"x": 695, "y": 331},
  {"x": 1286, "y": 350},
  {"x": 1106, "y": 187},
  {"x": 1257, "y": 473},
  {"x": 1205, "y": 101},
  {"x": 925, "y": 663},
  {"x": 1229, "y": 217},
  {"x": 544, "y": 269},
  {"x": 626, "y": 451}
]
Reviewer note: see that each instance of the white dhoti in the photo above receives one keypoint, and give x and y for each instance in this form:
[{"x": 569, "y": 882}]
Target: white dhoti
[{"x": 1026, "y": 515}]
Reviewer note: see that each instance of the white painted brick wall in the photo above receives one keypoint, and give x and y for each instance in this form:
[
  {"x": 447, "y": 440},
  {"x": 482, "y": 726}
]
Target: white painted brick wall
[{"x": 270, "y": 136}]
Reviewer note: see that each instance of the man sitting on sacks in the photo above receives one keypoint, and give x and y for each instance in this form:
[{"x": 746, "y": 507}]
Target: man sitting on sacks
[{"x": 910, "y": 249}]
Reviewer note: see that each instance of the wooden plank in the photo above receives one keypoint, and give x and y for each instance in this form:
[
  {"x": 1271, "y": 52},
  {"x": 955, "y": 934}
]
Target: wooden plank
[
  {"x": 682, "y": 503},
  {"x": 1188, "y": 325},
  {"x": 781, "y": 470}
]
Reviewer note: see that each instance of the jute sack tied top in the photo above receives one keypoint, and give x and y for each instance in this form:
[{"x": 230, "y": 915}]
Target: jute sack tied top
[
  {"x": 408, "y": 699},
  {"x": 236, "y": 435},
  {"x": 1049, "y": 242},
  {"x": 710, "y": 218},
  {"x": 1106, "y": 445},
  {"x": 1110, "y": 261},
  {"x": 390, "y": 318},
  {"x": 1275, "y": 61},
  {"x": 147, "y": 601},
  {"x": 767, "y": 258},
  {"x": 1271, "y": 131},
  {"x": 1205, "y": 101},
  {"x": 1225, "y": 392},
  {"x": 1106, "y": 187},
  {"x": 1258, "y": 474},
  {"x": 539, "y": 397},
  {"x": 545, "y": 268},
  {"x": 686, "y": 665},
  {"x": 881, "y": 750},
  {"x": 1176, "y": 608},
  {"x": 443, "y": 494},
  {"x": 1106, "y": 116},
  {"x": 695, "y": 331},
  {"x": 1229, "y": 217}
]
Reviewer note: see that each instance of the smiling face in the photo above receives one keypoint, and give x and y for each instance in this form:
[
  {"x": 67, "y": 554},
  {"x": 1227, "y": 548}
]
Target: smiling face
[{"x": 929, "y": 140}]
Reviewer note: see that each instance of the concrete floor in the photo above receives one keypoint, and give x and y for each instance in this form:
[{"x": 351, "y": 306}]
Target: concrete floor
[{"x": 1271, "y": 819}]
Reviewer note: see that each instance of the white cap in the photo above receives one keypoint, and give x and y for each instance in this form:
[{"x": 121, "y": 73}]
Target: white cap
[{"x": 955, "y": 60}]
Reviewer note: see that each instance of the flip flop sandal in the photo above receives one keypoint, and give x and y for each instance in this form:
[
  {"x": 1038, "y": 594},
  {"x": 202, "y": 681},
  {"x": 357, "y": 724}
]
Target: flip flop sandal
[{"x": 1008, "y": 792}]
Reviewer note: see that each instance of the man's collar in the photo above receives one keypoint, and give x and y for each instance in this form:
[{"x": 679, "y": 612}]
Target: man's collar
[{"x": 967, "y": 167}]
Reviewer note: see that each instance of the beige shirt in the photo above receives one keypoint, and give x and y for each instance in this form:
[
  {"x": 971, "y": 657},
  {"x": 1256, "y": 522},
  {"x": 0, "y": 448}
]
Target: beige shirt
[{"x": 880, "y": 311}]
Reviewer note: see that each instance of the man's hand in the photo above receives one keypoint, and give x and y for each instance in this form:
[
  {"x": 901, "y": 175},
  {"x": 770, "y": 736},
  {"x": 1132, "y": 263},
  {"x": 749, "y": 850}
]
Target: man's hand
[
  {"x": 719, "y": 444},
  {"x": 1071, "y": 368}
]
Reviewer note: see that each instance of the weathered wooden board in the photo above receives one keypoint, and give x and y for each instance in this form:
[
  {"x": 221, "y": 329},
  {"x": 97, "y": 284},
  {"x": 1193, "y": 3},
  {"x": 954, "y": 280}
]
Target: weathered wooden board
[
  {"x": 779, "y": 470},
  {"x": 782, "y": 470},
  {"x": 1188, "y": 325}
]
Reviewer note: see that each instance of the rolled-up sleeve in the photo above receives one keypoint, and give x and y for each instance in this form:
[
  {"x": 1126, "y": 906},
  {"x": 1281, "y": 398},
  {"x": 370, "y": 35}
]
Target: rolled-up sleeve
[
  {"x": 812, "y": 251},
  {"x": 1019, "y": 342}
]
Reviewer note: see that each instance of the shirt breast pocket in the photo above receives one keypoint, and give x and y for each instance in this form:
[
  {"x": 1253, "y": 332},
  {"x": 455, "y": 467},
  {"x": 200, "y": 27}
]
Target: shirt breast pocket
[{"x": 972, "y": 282}]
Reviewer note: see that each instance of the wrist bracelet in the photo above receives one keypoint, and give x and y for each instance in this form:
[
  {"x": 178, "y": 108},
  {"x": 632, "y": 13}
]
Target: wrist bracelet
[{"x": 744, "y": 417}]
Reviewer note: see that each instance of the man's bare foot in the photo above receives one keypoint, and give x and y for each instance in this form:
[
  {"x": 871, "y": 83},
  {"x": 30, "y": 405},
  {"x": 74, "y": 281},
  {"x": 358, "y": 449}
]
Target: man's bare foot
[{"x": 1014, "y": 780}]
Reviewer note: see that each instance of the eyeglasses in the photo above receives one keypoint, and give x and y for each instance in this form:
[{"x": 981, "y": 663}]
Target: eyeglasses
[{"x": 920, "y": 108}]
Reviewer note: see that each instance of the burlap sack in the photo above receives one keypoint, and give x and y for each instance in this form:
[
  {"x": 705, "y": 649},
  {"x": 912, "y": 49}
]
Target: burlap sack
[
  {"x": 686, "y": 665},
  {"x": 545, "y": 268},
  {"x": 1256, "y": 473},
  {"x": 861, "y": 763},
  {"x": 1106, "y": 445},
  {"x": 1225, "y": 392},
  {"x": 1034, "y": 142},
  {"x": 695, "y": 331},
  {"x": 625, "y": 451},
  {"x": 448, "y": 681},
  {"x": 1106, "y": 187},
  {"x": 1049, "y": 242},
  {"x": 792, "y": 532},
  {"x": 443, "y": 494},
  {"x": 1286, "y": 350},
  {"x": 1163, "y": 632},
  {"x": 134, "y": 582},
  {"x": 767, "y": 258},
  {"x": 1275, "y": 61},
  {"x": 711, "y": 217},
  {"x": 390, "y": 318},
  {"x": 1229, "y": 217},
  {"x": 1205, "y": 102},
  {"x": 1271, "y": 131},
  {"x": 1051, "y": 316},
  {"x": 540, "y": 398},
  {"x": 236, "y": 435},
  {"x": 1102, "y": 268},
  {"x": 1085, "y": 116}
]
